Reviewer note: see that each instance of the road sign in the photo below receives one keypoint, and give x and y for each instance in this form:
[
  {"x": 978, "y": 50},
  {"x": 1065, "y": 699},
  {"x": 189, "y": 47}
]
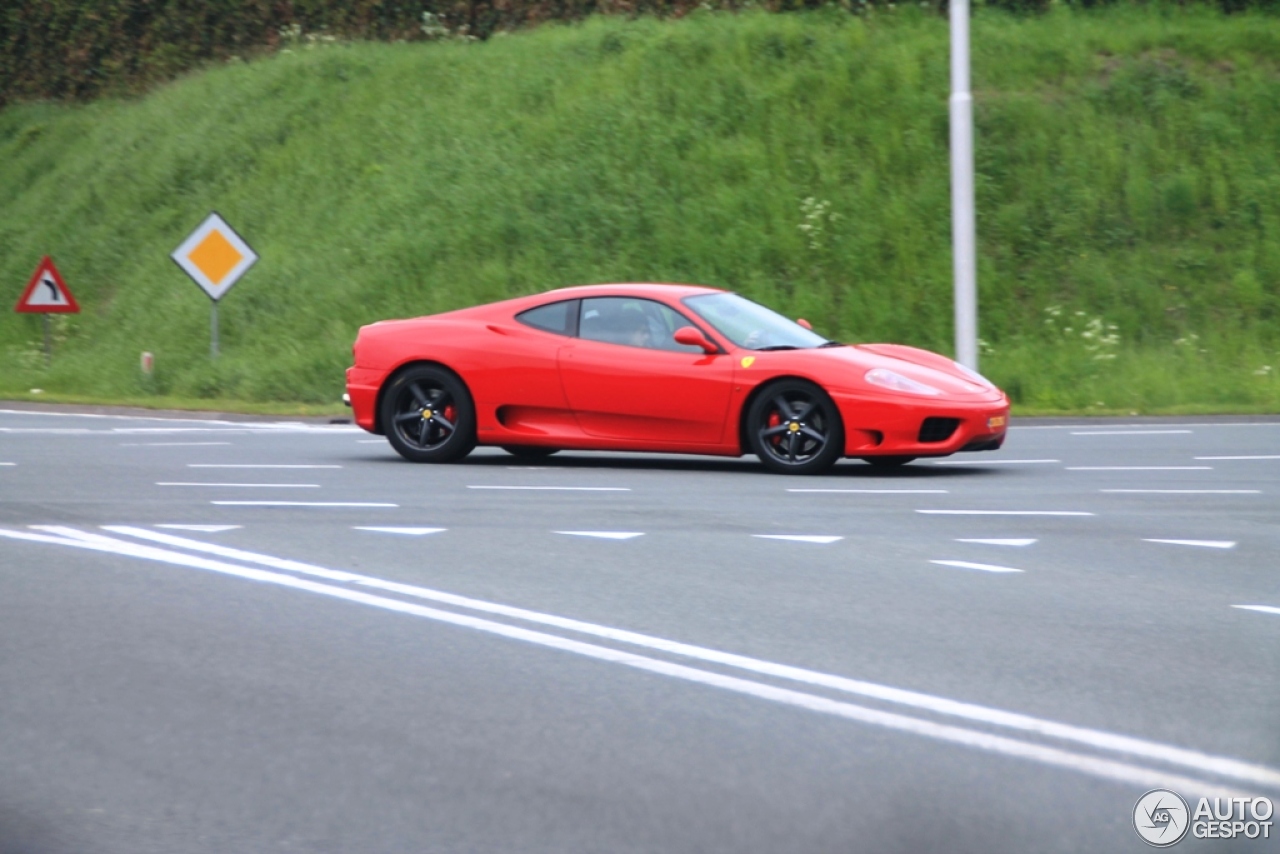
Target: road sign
[
  {"x": 46, "y": 293},
  {"x": 214, "y": 256}
]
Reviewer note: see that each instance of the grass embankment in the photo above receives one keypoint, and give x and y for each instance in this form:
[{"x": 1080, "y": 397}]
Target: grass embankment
[{"x": 1129, "y": 197}]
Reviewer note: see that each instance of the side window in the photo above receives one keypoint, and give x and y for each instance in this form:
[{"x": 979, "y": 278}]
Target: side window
[
  {"x": 558, "y": 317},
  {"x": 633, "y": 323}
]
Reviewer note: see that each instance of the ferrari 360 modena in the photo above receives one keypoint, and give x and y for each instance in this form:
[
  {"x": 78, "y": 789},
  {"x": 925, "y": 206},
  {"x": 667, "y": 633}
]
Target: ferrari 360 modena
[{"x": 660, "y": 368}]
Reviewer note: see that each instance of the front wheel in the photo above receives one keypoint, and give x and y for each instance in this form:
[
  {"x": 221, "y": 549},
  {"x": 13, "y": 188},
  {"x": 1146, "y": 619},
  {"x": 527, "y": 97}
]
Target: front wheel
[
  {"x": 794, "y": 428},
  {"x": 428, "y": 415}
]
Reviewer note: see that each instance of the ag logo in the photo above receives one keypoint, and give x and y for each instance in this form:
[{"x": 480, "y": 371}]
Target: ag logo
[{"x": 1161, "y": 818}]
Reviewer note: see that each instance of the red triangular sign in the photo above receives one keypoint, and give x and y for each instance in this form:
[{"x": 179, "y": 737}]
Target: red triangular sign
[{"x": 47, "y": 293}]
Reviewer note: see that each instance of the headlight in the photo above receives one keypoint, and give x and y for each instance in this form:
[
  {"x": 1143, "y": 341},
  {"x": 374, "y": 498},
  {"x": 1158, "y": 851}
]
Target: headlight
[
  {"x": 975, "y": 376},
  {"x": 894, "y": 381}
]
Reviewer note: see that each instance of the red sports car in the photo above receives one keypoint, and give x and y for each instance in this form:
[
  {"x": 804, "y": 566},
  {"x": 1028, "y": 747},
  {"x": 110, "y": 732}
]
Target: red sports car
[{"x": 666, "y": 368}]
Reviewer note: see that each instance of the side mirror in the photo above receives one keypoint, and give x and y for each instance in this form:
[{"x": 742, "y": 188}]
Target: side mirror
[
  {"x": 806, "y": 324},
  {"x": 691, "y": 337}
]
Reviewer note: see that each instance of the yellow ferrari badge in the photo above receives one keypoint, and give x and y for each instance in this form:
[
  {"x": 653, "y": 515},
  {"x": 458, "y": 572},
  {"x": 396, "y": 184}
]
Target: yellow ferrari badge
[{"x": 747, "y": 362}]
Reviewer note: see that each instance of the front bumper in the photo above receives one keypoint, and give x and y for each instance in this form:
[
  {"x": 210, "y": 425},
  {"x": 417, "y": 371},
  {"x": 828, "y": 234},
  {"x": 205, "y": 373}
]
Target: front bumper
[
  {"x": 927, "y": 427},
  {"x": 362, "y": 393}
]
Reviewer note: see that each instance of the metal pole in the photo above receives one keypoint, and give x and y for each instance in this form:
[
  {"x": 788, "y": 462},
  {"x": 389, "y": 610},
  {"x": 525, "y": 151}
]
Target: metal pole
[
  {"x": 213, "y": 332},
  {"x": 48, "y": 343},
  {"x": 963, "y": 229}
]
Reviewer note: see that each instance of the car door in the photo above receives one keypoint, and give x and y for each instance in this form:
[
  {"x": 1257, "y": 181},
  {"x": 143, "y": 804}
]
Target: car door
[{"x": 626, "y": 378}]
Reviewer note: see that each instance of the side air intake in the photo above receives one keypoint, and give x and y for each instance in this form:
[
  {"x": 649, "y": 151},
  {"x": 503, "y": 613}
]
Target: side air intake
[{"x": 938, "y": 429}]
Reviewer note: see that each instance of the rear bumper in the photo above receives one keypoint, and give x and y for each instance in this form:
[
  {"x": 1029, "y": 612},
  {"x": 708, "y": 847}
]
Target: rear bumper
[
  {"x": 897, "y": 428},
  {"x": 362, "y": 390}
]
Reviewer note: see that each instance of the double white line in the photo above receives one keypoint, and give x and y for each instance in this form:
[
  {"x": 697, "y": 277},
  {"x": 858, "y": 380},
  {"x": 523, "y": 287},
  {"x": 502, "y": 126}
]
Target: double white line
[{"x": 1112, "y": 756}]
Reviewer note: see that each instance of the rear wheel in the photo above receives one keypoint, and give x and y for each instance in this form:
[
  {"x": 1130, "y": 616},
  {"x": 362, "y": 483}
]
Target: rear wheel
[
  {"x": 530, "y": 451},
  {"x": 888, "y": 462},
  {"x": 795, "y": 428},
  {"x": 428, "y": 416}
]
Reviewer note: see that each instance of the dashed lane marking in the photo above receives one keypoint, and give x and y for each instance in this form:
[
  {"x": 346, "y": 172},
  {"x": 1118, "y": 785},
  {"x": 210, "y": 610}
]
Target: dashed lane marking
[
  {"x": 1125, "y": 748},
  {"x": 878, "y": 491},
  {"x": 410, "y": 532},
  {"x": 1207, "y": 544},
  {"x": 799, "y": 538},
  {"x": 303, "y": 504},
  {"x": 1185, "y": 491},
  {"x": 1007, "y": 512},
  {"x": 604, "y": 535},
  {"x": 994, "y": 462},
  {"x": 258, "y": 466},
  {"x": 170, "y": 444},
  {"x": 1126, "y": 432},
  {"x": 1139, "y": 468},
  {"x": 983, "y": 567},
  {"x": 1000, "y": 542},
  {"x": 245, "y": 485},
  {"x": 1262, "y": 609},
  {"x": 1250, "y": 457},
  {"x": 560, "y": 488},
  {"x": 207, "y": 529}
]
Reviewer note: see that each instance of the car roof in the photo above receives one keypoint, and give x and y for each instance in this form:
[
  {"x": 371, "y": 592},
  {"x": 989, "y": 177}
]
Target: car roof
[{"x": 635, "y": 289}]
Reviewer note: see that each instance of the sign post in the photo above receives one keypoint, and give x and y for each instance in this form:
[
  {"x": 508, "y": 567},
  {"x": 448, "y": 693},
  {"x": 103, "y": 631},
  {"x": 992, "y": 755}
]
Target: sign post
[
  {"x": 215, "y": 258},
  {"x": 963, "y": 230},
  {"x": 47, "y": 294}
]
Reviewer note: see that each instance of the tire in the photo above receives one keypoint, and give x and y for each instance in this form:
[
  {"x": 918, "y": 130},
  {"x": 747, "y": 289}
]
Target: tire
[
  {"x": 794, "y": 428},
  {"x": 532, "y": 451},
  {"x": 887, "y": 462},
  {"x": 428, "y": 415}
]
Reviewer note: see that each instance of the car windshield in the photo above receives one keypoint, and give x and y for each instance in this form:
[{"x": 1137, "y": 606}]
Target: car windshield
[{"x": 751, "y": 325}]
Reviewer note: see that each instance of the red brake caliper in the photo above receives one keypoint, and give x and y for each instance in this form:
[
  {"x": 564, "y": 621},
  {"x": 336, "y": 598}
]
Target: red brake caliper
[
  {"x": 450, "y": 413},
  {"x": 774, "y": 420}
]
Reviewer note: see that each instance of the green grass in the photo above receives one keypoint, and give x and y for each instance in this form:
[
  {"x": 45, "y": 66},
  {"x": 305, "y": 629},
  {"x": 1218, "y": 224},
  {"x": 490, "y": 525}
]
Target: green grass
[{"x": 1129, "y": 169}]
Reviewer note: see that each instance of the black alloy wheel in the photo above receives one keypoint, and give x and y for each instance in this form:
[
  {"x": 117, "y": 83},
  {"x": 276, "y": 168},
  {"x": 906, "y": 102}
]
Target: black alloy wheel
[
  {"x": 795, "y": 428},
  {"x": 530, "y": 451},
  {"x": 428, "y": 415}
]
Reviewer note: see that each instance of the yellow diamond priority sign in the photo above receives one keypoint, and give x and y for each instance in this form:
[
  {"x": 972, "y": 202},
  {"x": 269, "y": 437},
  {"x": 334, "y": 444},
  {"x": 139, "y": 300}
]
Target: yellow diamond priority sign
[{"x": 215, "y": 256}]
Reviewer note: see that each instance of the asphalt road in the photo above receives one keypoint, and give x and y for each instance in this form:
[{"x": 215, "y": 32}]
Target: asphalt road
[{"x": 245, "y": 636}]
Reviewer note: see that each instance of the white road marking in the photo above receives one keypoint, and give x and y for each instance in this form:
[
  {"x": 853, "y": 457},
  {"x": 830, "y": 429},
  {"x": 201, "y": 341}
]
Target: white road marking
[
  {"x": 1252, "y": 457},
  {"x": 993, "y": 462},
  {"x": 1122, "y": 771},
  {"x": 799, "y": 538},
  {"x": 999, "y": 542},
  {"x": 527, "y": 468},
  {"x": 1139, "y": 468},
  {"x": 169, "y": 444},
  {"x": 985, "y": 567},
  {"x": 1208, "y": 544},
  {"x": 1186, "y": 491},
  {"x": 303, "y": 504},
  {"x": 256, "y": 466},
  {"x": 246, "y": 485},
  {"x": 1263, "y": 609},
  {"x": 412, "y": 532},
  {"x": 8, "y": 464},
  {"x": 1125, "y": 432},
  {"x": 878, "y": 491},
  {"x": 208, "y": 529},
  {"x": 604, "y": 535},
  {"x": 1098, "y": 739},
  {"x": 1007, "y": 512},
  {"x": 561, "y": 488}
]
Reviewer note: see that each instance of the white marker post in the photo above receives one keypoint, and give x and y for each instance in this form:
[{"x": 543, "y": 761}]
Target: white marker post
[
  {"x": 963, "y": 229},
  {"x": 215, "y": 258}
]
